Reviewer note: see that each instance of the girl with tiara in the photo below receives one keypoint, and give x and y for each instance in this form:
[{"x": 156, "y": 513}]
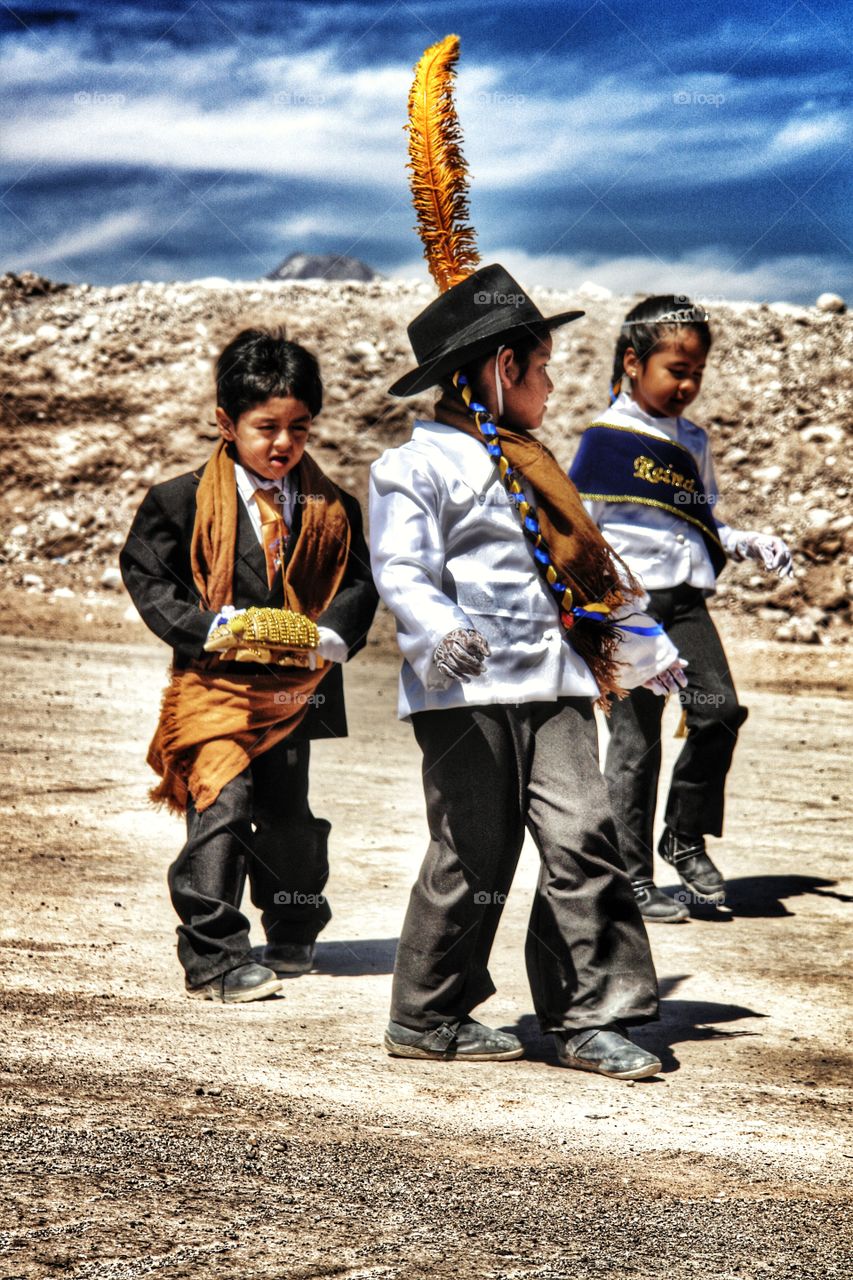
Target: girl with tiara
[
  {"x": 646, "y": 477},
  {"x": 513, "y": 618}
]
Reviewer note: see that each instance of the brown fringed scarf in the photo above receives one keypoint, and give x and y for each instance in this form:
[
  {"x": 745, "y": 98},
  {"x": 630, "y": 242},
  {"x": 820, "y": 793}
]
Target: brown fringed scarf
[
  {"x": 578, "y": 552},
  {"x": 212, "y": 725}
]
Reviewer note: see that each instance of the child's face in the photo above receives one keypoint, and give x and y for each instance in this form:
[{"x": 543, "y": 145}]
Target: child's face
[
  {"x": 269, "y": 439},
  {"x": 668, "y": 380},
  {"x": 525, "y": 401}
]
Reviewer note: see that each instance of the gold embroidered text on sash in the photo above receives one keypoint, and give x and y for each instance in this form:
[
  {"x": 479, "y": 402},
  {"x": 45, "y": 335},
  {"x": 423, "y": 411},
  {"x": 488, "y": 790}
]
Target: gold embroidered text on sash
[{"x": 645, "y": 469}]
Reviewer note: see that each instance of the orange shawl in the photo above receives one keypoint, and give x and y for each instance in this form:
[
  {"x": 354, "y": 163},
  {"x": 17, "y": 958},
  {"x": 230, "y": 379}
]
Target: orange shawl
[{"x": 213, "y": 724}]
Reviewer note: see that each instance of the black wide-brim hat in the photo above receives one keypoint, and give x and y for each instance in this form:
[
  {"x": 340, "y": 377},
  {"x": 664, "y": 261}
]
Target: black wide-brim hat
[{"x": 486, "y": 310}]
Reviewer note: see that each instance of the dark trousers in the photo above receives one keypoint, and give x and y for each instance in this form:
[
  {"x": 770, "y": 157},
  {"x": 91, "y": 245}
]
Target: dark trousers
[
  {"x": 695, "y": 802},
  {"x": 261, "y": 827},
  {"x": 488, "y": 773}
]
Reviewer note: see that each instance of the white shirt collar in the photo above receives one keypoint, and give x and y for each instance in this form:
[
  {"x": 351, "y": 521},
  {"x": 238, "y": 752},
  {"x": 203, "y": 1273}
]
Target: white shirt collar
[
  {"x": 248, "y": 482},
  {"x": 626, "y": 405}
]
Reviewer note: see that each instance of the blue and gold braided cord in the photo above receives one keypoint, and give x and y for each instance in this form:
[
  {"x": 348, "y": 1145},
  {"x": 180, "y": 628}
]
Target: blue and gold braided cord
[{"x": 569, "y": 613}]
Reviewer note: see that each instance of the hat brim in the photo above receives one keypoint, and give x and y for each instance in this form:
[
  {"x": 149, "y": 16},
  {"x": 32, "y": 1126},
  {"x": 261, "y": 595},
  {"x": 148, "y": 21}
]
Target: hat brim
[{"x": 427, "y": 375}]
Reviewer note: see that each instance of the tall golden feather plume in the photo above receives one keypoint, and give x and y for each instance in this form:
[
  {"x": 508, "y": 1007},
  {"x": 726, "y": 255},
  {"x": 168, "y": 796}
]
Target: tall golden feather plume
[{"x": 439, "y": 173}]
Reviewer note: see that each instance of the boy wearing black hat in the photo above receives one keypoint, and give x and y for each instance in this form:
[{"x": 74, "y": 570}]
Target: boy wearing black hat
[{"x": 513, "y": 619}]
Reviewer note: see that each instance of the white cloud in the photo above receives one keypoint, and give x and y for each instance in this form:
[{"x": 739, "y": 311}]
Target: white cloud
[
  {"x": 307, "y": 116},
  {"x": 104, "y": 233},
  {"x": 295, "y": 137},
  {"x": 702, "y": 275},
  {"x": 341, "y": 222},
  {"x": 531, "y": 132},
  {"x": 811, "y": 133}
]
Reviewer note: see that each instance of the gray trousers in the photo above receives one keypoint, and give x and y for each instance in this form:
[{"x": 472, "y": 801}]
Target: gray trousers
[
  {"x": 489, "y": 773},
  {"x": 260, "y": 826},
  {"x": 695, "y": 803}
]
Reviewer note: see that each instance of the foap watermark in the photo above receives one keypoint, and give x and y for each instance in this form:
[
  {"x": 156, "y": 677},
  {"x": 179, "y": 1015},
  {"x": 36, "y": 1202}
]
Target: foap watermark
[
  {"x": 701, "y": 698},
  {"x": 696, "y": 899},
  {"x": 96, "y": 98},
  {"x": 501, "y": 99},
  {"x": 485, "y": 298},
  {"x": 692, "y": 98},
  {"x": 699, "y": 299},
  {"x": 685, "y": 499},
  {"x": 486, "y": 899},
  {"x": 299, "y": 98},
  {"x": 286, "y": 699},
  {"x": 284, "y": 500},
  {"x": 284, "y": 898}
]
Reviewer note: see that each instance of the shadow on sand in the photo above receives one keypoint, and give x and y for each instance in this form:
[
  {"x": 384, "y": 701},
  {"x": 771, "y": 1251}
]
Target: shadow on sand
[
  {"x": 760, "y": 897},
  {"x": 350, "y": 959},
  {"x": 680, "y": 1021}
]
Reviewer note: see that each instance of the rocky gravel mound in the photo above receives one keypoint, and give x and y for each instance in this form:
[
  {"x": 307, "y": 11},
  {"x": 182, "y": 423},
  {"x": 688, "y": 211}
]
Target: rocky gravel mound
[{"x": 108, "y": 390}]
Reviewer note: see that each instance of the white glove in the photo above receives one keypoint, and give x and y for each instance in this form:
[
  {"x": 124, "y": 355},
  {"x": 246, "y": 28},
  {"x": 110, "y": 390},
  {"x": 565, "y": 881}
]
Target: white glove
[
  {"x": 668, "y": 681},
  {"x": 331, "y": 646},
  {"x": 461, "y": 655},
  {"x": 770, "y": 552}
]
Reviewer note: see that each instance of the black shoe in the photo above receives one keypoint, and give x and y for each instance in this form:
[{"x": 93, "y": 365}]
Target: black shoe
[
  {"x": 606, "y": 1050},
  {"x": 289, "y": 957},
  {"x": 247, "y": 982},
  {"x": 656, "y": 905},
  {"x": 687, "y": 855},
  {"x": 468, "y": 1039}
]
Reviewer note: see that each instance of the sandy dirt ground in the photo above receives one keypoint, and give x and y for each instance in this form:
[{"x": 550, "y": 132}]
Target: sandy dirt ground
[{"x": 147, "y": 1134}]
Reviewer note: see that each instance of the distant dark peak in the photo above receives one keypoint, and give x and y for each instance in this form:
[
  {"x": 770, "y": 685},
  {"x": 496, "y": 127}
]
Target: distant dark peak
[{"x": 322, "y": 266}]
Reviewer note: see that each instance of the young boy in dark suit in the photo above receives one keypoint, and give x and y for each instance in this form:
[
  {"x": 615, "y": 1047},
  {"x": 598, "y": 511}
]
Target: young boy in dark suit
[{"x": 255, "y": 571}]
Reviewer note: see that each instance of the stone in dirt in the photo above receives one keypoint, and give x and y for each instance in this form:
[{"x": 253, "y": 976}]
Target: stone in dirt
[
  {"x": 831, "y": 302},
  {"x": 825, "y": 587},
  {"x": 799, "y": 631}
]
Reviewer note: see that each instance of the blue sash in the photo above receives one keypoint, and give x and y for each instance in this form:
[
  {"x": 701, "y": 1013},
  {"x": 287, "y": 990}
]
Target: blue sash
[{"x": 622, "y": 464}]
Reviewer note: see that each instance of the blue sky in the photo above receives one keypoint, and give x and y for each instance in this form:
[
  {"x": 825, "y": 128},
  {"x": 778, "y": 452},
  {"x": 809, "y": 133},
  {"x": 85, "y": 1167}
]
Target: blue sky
[{"x": 665, "y": 146}]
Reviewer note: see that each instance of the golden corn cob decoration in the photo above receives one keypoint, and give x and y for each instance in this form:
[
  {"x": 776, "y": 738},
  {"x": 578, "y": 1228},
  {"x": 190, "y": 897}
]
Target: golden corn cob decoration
[
  {"x": 280, "y": 627},
  {"x": 277, "y": 628}
]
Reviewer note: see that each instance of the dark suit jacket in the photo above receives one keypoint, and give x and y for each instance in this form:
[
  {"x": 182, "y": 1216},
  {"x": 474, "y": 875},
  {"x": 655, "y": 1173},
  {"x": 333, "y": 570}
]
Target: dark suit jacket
[{"x": 155, "y": 566}]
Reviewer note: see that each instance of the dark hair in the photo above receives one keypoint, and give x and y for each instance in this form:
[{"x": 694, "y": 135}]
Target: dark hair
[
  {"x": 649, "y": 323},
  {"x": 259, "y": 364},
  {"x": 521, "y": 348}
]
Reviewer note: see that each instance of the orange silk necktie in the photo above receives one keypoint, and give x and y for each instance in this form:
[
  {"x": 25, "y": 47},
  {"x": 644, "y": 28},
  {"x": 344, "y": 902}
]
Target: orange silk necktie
[{"x": 273, "y": 529}]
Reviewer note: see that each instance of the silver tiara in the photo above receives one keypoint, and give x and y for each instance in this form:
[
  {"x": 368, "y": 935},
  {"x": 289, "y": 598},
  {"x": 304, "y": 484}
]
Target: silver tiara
[{"x": 683, "y": 315}]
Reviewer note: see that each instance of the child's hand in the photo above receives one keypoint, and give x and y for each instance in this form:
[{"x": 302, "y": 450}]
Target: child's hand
[
  {"x": 770, "y": 552},
  {"x": 668, "y": 681},
  {"x": 223, "y": 617},
  {"x": 461, "y": 655}
]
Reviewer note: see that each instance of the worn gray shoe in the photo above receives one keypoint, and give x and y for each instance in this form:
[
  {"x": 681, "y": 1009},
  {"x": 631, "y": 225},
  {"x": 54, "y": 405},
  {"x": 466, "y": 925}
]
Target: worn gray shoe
[
  {"x": 606, "y": 1050},
  {"x": 289, "y": 957},
  {"x": 656, "y": 905},
  {"x": 467, "y": 1040},
  {"x": 246, "y": 982},
  {"x": 687, "y": 855}
]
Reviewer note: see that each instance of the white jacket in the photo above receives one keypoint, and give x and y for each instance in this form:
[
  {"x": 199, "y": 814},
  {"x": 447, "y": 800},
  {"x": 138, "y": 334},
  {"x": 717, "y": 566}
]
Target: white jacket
[{"x": 448, "y": 551}]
